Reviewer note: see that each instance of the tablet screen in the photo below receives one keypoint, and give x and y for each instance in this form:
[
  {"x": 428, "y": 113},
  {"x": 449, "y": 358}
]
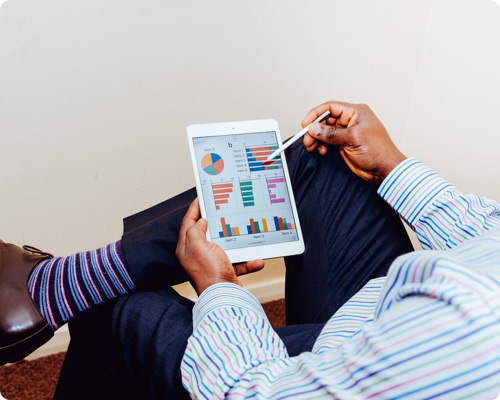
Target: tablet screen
[{"x": 246, "y": 198}]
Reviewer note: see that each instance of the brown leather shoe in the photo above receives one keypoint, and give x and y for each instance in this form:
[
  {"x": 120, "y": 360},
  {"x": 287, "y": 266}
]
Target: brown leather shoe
[{"x": 22, "y": 328}]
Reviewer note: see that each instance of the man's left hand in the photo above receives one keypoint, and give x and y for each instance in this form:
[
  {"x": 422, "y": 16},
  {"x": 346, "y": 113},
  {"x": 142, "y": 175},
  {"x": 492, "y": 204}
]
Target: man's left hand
[{"x": 205, "y": 262}]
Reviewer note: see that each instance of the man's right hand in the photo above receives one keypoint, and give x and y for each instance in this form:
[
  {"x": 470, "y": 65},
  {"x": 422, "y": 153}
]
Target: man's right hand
[{"x": 363, "y": 142}]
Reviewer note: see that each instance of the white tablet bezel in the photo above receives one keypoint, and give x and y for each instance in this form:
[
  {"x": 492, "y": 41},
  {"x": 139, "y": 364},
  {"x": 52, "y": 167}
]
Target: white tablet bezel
[{"x": 245, "y": 127}]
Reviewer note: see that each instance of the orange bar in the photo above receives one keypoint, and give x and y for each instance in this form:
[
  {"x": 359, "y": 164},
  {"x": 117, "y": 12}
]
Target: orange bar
[
  {"x": 222, "y": 185},
  {"x": 264, "y": 224},
  {"x": 220, "y": 191},
  {"x": 260, "y": 159},
  {"x": 237, "y": 231},
  {"x": 280, "y": 221},
  {"x": 261, "y": 153},
  {"x": 252, "y": 224},
  {"x": 217, "y": 207},
  {"x": 221, "y": 196},
  {"x": 221, "y": 201},
  {"x": 293, "y": 226},
  {"x": 259, "y": 149},
  {"x": 224, "y": 227}
]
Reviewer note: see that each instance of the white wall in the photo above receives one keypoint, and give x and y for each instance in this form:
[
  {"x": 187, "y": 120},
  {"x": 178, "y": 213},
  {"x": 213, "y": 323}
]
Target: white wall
[
  {"x": 454, "y": 121},
  {"x": 95, "y": 95}
]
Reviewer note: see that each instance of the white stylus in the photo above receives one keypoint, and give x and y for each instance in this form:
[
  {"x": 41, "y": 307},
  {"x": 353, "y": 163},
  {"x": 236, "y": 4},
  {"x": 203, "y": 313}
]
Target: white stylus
[{"x": 297, "y": 136}]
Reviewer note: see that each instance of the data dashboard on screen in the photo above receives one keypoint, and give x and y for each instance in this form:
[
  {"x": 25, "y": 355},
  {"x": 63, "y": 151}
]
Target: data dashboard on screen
[{"x": 246, "y": 198}]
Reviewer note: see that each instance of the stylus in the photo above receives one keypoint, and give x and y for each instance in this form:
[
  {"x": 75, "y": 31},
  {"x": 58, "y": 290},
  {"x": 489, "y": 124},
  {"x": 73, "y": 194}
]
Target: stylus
[{"x": 298, "y": 136}]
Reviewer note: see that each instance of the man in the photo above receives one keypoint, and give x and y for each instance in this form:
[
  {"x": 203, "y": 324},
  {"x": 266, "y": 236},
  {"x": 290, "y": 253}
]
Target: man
[{"x": 430, "y": 329}]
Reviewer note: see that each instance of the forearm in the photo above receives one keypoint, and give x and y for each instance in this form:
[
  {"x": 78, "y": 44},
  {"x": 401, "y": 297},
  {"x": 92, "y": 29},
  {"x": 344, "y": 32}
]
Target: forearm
[
  {"x": 231, "y": 335},
  {"x": 423, "y": 341},
  {"x": 441, "y": 215}
]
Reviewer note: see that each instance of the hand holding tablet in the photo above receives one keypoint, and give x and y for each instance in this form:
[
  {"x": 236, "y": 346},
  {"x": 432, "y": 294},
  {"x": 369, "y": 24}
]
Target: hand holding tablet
[{"x": 246, "y": 199}]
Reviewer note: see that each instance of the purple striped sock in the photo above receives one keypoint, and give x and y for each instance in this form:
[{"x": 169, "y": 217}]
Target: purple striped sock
[{"x": 64, "y": 286}]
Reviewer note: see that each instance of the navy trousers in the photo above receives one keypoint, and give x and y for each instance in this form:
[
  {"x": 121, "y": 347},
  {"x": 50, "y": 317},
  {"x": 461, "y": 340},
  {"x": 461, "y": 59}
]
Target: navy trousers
[{"x": 132, "y": 347}]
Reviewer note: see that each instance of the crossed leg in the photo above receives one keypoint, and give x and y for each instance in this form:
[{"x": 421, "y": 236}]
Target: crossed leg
[{"x": 133, "y": 346}]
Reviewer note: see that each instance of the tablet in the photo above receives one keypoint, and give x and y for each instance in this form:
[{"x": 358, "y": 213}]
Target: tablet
[{"x": 247, "y": 201}]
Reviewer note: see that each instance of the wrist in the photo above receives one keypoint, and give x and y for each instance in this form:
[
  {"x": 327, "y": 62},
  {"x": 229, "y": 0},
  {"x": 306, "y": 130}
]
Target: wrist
[
  {"x": 201, "y": 286},
  {"x": 389, "y": 164}
]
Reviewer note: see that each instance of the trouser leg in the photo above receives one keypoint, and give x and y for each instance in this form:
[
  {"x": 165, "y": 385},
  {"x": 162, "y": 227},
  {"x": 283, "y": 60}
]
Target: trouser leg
[
  {"x": 351, "y": 236},
  {"x": 149, "y": 241}
]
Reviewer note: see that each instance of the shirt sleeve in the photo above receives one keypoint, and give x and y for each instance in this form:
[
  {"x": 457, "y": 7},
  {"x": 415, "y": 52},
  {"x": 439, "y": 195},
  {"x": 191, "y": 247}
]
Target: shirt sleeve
[
  {"x": 432, "y": 331},
  {"x": 440, "y": 214},
  {"x": 231, "y": 339}
]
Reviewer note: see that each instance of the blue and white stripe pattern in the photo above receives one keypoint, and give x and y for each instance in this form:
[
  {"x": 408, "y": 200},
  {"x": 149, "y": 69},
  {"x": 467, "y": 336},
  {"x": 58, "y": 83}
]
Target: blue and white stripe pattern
[{"x": 429, "y": 330}]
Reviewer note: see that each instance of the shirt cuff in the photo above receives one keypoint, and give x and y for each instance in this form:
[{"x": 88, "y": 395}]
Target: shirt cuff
[
  {"x": 411, "y": 188},
  {"x": 223, "y": 295}
]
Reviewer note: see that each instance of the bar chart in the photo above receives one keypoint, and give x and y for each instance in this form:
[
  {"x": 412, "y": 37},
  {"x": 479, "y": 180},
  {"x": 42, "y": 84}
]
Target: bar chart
[
  {"x": 255, "y": 226},
  {"x": 247, "y": 193},
  {"x": 257, "y": 158},
  {"x": 222, "y": 193},
  {"x": 272, "y": 187},
  {"x": 228, "y": 230},
  {"x": 282, "y": 225}
]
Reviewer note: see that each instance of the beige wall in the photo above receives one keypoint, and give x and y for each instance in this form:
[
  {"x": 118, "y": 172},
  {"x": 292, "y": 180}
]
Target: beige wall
[{"x": 95, "y": 95}]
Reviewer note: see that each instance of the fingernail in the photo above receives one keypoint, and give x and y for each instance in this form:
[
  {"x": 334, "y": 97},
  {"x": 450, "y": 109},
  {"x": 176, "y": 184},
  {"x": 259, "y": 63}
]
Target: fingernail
[{"x": 315, "y": 129}]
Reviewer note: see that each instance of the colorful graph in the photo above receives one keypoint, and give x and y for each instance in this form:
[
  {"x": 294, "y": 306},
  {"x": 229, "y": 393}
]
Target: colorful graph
[
  {"x": 222, "y": 193},
  {"x": 227, "y": 230},
  {"x": 212, "y": 164},
  {"x": 281, "y": 225},
  {"x": 272, "y": 187},
  {"x": 246, "y": 188},
  {"x": 257, "y": 158}
]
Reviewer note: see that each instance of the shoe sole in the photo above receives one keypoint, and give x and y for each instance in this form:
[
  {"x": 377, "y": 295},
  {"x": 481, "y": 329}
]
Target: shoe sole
[{"x": 19, "y": 350}]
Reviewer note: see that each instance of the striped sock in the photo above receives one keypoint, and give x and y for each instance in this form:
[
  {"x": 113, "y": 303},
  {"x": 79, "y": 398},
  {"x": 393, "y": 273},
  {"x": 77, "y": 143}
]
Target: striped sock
[{"x": 63, "y": 286}]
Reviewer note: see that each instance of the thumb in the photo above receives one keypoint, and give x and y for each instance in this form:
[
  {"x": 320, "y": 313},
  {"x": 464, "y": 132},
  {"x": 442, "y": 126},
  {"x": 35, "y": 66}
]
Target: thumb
[
  {"x": 202, "y": 226},
  {"x": 330, "y": 134},
  {"x": 198, "y": 230}
]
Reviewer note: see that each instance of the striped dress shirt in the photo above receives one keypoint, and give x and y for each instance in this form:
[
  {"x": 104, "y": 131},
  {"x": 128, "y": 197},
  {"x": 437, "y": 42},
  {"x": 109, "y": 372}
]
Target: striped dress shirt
[{"x": 430, "y": 329}]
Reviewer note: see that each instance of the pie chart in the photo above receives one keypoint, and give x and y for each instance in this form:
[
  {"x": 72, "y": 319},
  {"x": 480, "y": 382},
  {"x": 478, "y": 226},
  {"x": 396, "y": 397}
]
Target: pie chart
[{"x": 212, "y": 164}]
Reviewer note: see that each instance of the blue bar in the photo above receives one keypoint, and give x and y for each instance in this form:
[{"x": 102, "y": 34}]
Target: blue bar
[
  {"x": 276, "y": 223},
  {"x": 249, "y": 229},
  {"x": 252, "y": 159},
  {"x": 257, "y": 168},
  {"x": 221, "y": 234},
  {"x": 255, "y": 164}
]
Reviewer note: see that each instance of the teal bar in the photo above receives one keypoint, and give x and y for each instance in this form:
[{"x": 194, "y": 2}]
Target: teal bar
[
  {"x": 247, "y": 183},
  {"x": 257, "y": 228},
  {"x": 228, "y": 227}
]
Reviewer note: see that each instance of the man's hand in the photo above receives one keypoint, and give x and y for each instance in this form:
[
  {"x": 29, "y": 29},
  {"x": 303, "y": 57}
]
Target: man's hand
[
  {"x": 363, "y": 142},
  {"x": 204, "y": 261}
]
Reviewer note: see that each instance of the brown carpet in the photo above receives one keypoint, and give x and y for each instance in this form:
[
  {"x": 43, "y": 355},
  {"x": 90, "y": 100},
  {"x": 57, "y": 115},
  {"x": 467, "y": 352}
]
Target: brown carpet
[{"x": 37, "y": 379}]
